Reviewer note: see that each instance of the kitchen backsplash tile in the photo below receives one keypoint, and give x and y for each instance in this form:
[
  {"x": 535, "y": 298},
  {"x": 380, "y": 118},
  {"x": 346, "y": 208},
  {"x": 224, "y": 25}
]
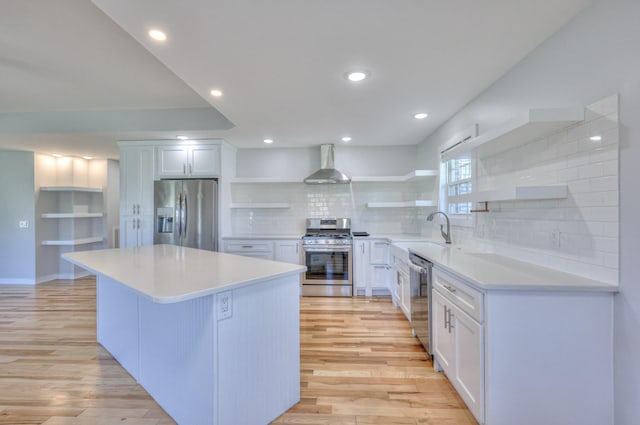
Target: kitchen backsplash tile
[
  {"x": 328, "y": 201},
  {"x": 579, "y": 234}
]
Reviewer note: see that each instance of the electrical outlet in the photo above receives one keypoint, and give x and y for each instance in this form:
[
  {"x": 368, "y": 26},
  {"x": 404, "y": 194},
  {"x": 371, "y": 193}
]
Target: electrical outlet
[
  {"x": 23, "y": 224},
  {"x": 225, "y": 305}
]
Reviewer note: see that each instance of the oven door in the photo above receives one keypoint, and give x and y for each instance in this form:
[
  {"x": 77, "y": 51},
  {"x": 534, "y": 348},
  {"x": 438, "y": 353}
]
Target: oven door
[{"x": 327, "y": 265}]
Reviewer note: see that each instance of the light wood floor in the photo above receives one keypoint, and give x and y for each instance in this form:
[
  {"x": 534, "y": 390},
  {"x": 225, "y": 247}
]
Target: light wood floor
[{"x": 360, "y": 365}]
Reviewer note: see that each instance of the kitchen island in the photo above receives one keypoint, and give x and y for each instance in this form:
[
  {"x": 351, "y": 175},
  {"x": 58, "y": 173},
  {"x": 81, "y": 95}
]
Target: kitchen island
[{"x": 214, "y": 338}]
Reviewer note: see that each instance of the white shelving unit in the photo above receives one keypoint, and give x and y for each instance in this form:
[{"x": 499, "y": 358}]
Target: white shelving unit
[
  {"x": 264, "y": 205},
  {"x": 71, "y": 189},
  {"x": 266, "y": 180},
  {"x": 77, "y": 208},
  {"x": 72, "y": 215},
  {"x": 412, "y": 176},
  {"x": 402, "y": 204},
  {"x": 522, "y": 193},
  {"x": 73, "y": 242},
  {"x": 534, "y": 124}
]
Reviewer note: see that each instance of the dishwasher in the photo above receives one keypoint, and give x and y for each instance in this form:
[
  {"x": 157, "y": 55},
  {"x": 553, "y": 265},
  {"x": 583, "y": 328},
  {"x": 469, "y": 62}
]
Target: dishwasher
[{"x": 420, "y": 289}]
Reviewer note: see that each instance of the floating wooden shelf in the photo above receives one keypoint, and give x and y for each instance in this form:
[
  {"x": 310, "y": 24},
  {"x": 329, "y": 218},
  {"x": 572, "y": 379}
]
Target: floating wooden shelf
[
  {"x": 72, "y": 215},
  {"x": 412, "y": 176},
  {"x": 72, "y": 242},
  {"x": 272, "y": 205},
  {"x": 534, "y": 124},
  {"x": 522, "y": 193},
  {"x": 402, "y": 204},
  {"x": 70, "y": 189}
]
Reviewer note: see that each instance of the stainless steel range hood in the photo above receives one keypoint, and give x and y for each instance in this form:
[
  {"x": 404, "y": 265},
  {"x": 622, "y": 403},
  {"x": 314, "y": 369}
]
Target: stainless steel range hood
[{"x": 327, "y": 174}]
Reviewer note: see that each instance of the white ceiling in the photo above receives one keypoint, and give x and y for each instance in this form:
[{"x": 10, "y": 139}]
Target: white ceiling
[{"x": 74, "y": 81}]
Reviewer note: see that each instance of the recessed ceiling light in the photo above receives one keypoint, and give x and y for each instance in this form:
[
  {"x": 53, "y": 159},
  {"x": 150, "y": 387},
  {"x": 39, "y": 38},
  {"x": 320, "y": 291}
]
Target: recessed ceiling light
[
  {"x": 157, "y": 35},
  {"x": 421, "y": 115},
  {"x": 182, "y": 137},
  {"x": 356, "y": 76},
  {"x": 595, "y": 138},
  {"x": 56, "y": 155},
  {"x": 346, "y": 139},
  {"x": 216, "y": 93},
  {"x": 268, "y": 141},
  {"x": 87, "y": 157}
]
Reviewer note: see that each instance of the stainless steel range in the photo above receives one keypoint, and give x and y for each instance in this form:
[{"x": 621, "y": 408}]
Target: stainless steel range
[{"x": 327, "y": 249}]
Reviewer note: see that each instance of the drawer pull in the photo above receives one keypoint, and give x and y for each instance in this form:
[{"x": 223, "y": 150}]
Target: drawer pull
[
  {"x": 247, "y": 246},
  {"x": 450, "y": 288}
]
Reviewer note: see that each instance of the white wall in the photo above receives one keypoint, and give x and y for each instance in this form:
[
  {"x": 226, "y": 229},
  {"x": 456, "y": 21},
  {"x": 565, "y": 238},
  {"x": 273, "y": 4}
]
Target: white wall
[
  {"x": 17, "y": 254},
  {"x": 592, "y": 57}
]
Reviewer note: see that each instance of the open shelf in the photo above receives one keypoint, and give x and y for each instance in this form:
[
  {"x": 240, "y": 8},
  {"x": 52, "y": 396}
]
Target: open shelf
[
  {"x": 267, "y": 180},
  {"x": 534, "y": 124},
  {"x": 412, "y": 176},
  {"x": 72, "y": 242},
  {"x": 71, "y": 215},
  {"x": 70, "y": 189},
  {"x": 522, "y": 193},
  {"x": 402, "y": 204},
  {"x": 272, "y": 205}
]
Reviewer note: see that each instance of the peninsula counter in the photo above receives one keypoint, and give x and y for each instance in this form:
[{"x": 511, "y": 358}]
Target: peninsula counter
[{"x": 214, "y": 338}]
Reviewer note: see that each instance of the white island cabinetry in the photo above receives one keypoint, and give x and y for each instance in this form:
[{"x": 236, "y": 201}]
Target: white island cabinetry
[{"x": 206, "y": 346}]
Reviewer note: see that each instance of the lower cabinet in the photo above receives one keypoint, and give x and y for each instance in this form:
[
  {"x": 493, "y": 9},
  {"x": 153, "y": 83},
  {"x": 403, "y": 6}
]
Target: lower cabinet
[
  {"x": 371, "y": 270},
  {"x": 541, "y": 346},
  {"x": 458, "y": 343},
  {"x": 136, "y": 230},
  {"x": 256, "y": 248},
  {"x": 285, "y": 250},
  {"x": 288, "y": 251}
]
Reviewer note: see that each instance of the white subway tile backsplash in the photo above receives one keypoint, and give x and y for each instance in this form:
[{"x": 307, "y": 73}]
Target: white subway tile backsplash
[{"x": 587, "y": 221}]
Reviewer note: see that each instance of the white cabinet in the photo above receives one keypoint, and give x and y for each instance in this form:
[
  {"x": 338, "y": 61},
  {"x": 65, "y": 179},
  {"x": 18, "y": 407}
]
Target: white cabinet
[
  {"x": 188, "y": 161},
  {"x": 372, "y": 272},
  {"x": 288, "y": 251},
  {"x": 458, "y": 349},
  {"x": 256, "y": 248},
  {"x": 404, "y": 296},
  {"x": 136, "y": 195}
]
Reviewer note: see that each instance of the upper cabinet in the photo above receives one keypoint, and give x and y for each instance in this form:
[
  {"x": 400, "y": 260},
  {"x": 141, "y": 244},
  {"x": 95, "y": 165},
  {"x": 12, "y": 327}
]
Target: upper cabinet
[
  {"x": 188, "y": 161},
  {"x": 136, "y": 180}
]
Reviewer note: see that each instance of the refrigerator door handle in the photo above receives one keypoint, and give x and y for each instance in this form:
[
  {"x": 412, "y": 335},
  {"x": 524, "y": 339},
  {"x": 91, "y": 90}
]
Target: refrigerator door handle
[
  {"x": 185, "y": 215},
  {"x": 179, "y": 215}
]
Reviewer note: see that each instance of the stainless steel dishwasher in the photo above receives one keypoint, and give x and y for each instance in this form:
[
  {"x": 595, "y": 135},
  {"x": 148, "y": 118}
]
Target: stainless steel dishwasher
[{"x": 420, "y": 287}]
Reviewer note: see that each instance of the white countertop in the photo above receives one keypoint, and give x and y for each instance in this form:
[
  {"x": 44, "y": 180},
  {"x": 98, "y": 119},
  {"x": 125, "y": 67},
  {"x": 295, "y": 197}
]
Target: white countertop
[
  {"x": 169, "y": 274},
  {"x": 495, "y": 272},
  {"x": 261, "y": 236}
]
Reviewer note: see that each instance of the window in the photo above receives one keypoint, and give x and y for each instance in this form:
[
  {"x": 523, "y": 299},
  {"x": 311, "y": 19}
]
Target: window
[{"x": 458, "y": 184}]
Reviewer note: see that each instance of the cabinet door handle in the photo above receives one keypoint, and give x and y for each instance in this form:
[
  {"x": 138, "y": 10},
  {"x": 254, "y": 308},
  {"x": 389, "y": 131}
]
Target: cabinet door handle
[
  {"x": 362, "y": 247},
  {"x": 451, "y": 317},
  {"x": 133, "y": 224},
  {"x": 184, "y": 168},
  {"x": 296, "y": 247},
  {"x": 446, "y": 318},
  {"x": 134, "y": 209},
  {"x": 190, "y": 169},
  {"x": 138, "y": 209}
]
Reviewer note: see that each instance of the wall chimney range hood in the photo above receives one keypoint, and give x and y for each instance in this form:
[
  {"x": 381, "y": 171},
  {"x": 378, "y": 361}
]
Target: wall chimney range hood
[{"x": 327, "y": 174}]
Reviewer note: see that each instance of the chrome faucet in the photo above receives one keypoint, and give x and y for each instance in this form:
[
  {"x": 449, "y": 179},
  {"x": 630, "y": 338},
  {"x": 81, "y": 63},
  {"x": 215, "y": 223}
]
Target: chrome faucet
[{"x": 446, "y": 235}]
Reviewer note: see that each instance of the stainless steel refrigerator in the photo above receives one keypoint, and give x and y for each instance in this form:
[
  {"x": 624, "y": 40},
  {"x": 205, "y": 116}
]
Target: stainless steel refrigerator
[{"x": 185, "y": 213}]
